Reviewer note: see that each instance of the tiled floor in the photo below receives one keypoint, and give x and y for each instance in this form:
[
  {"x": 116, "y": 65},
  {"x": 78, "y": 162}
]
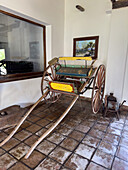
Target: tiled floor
[{"x": 81, "y": 141}]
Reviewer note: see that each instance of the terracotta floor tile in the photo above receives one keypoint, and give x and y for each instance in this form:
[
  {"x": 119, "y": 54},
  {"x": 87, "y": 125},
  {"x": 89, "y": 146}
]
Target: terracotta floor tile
[
  {"x": 83, "y": 128},
  {"x": 70, "y": 124},
  {"x": 107, "y": 148},
  {"x": 119, "y": 164},
  {"x": 121, "y": 120},
  {"x": 46, "y": 147},
  {"x": 103, "y": 121},
  {"x": 113, "y": 139},
  {"x": 69, "y": 144},
  {"x": 126, "y": 127},
  {"x": 26, "y": 124},
  {"x": 72, "y": 112},
  {"x": 92, "y": 118},
  {"x": 96, "y": 133},
  {"x": 22, "y": 135},
  {"x": 74, "y": 119},
  {"x": 34, "y": 128},
  {"x": 41, "y": 132},
  {"x": 6, "y": 161},
  {"x": 91, "y": 141},
  {"x": 76, "y": 162},
  {"x": 48, "y": 164},
  {"x": 103, "y": 159},
  {"x": 50, "y": 124},
  {"x": 114, "y": 131},
  {"x": 85, "y": 151},
  {"x": 125, "y": 134},
  {"x": 87, "y": 123},
  {"x": 33, "y": 118},
  {"x": 2, "y": 136},
  {"x": 64, "y": 130},
  {"x": 122, "y": 153},
  {"x": 60, "y": 155},
  {"x": 8, "y": 130},
  {"x": 10, "y": 144},
  {"x": 19, "y": 151},
  {"x": 51, "y": 117},
  {"x": 124, "y": 142},
  {"x": 43, "y": 122},
  {"x": 76, "y": 135},
  {"x": 31, "y": 140},
  {"x": 56, "y": 138},
  {"x": 41, "y": 114},
  {"x": 34, "y": 159},
  {"x": 19, "y": 166},
  {"x": 1, "y": 151},
  {"x": 116, "y": 125},
  {"x": 93, "y": 166},
  {"x": 100, "y": 127},
  {"x": 64, "y": 168}
]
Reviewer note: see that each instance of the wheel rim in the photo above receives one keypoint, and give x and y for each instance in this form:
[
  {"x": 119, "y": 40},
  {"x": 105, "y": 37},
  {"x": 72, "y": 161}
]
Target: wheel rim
[
  {"x": 98, "y": 89},
  {"x": 49, "y": 75}
]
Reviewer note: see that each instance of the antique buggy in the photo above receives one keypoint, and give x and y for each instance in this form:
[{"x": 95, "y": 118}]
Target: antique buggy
[{"x": 60, "y": 77}]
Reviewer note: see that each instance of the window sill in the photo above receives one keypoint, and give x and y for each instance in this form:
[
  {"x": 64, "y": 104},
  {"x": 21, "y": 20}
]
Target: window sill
[{"x": 16, "y": 77}]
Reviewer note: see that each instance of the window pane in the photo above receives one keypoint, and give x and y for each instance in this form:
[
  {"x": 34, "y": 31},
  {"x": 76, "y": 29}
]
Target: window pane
[{"x": 23, "y": 45}]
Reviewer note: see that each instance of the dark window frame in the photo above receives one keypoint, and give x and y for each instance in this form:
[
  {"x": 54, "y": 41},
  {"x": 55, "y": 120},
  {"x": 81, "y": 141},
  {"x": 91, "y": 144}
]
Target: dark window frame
[{"x": 22, "y": 76}]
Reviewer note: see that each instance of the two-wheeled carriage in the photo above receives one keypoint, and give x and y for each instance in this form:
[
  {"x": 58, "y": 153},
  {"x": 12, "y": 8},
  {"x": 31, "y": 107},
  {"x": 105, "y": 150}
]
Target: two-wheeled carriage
[{"x": 60, "y": 77}]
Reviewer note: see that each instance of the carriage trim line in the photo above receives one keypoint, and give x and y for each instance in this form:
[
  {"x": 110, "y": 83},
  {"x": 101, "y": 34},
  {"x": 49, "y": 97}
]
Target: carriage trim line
[
  {"x": 67, "y": 87},
  {"x": 75, "y": 58}
]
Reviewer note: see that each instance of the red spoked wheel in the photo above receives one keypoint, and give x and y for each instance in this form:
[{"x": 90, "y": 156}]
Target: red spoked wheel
[
  {"x": 49, "y": 75},
  {"x": 98, "y": 89}
]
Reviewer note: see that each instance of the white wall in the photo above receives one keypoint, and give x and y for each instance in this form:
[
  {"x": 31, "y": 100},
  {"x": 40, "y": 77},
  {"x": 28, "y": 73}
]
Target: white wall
[
  {"x": 47, "y": 11},
  {"x": 117, "y": 66},
  {"x": 94, "y": 21}
]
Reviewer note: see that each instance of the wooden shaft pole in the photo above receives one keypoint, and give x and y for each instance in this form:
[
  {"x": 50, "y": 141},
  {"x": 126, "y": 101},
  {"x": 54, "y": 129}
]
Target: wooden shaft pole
[
  {"x": 52, "y": 127},
  {"x": 23, "y": 119}
]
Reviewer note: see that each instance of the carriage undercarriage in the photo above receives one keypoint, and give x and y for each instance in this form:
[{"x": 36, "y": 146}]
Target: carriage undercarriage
[{"x": 71, "y": 80}]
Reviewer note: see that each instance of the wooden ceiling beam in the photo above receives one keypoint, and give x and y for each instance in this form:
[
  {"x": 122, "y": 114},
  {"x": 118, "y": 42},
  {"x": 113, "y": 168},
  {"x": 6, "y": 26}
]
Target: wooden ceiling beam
[{"x": 119, "y": 3}]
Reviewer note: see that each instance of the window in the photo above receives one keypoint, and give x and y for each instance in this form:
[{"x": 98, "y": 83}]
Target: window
[
  {"x": 2, "y": 67},
  {"x": 22, "y": 48}
]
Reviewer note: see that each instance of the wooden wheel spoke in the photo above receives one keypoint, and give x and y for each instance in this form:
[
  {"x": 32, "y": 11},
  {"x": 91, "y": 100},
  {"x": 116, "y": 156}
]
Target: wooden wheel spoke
[
  {"x": 95, "y": 94},
  {"x": 45, "y": 88},
  {"x": 46, "y": 79},
  {"x": 96, "y": 102},
  {"x": 103, "y": 76},
  {"x": 52, "y": 73},
  {"x": 99, "y": 77},
  {"x": 49, "y": 75},
  {"x": 98, "y": 88}
]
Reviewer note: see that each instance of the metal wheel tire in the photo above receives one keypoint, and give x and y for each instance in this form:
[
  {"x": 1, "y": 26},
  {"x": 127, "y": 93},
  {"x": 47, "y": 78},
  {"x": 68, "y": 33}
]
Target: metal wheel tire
[
  {"x": 49, "y": 75},
  {"x": 98, "y": 89}
]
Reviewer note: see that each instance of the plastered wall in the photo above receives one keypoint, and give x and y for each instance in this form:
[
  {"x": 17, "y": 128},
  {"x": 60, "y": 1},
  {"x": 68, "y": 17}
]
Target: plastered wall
[
  {"x": 94, "y": 21},
  {"x": 50, "y": 13},
  {"x": 117, "y": 64}
]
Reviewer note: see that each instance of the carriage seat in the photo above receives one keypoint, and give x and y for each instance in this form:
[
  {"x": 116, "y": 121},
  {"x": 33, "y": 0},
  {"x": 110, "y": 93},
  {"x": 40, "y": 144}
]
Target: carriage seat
[{"x": 72, "y": 71}]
